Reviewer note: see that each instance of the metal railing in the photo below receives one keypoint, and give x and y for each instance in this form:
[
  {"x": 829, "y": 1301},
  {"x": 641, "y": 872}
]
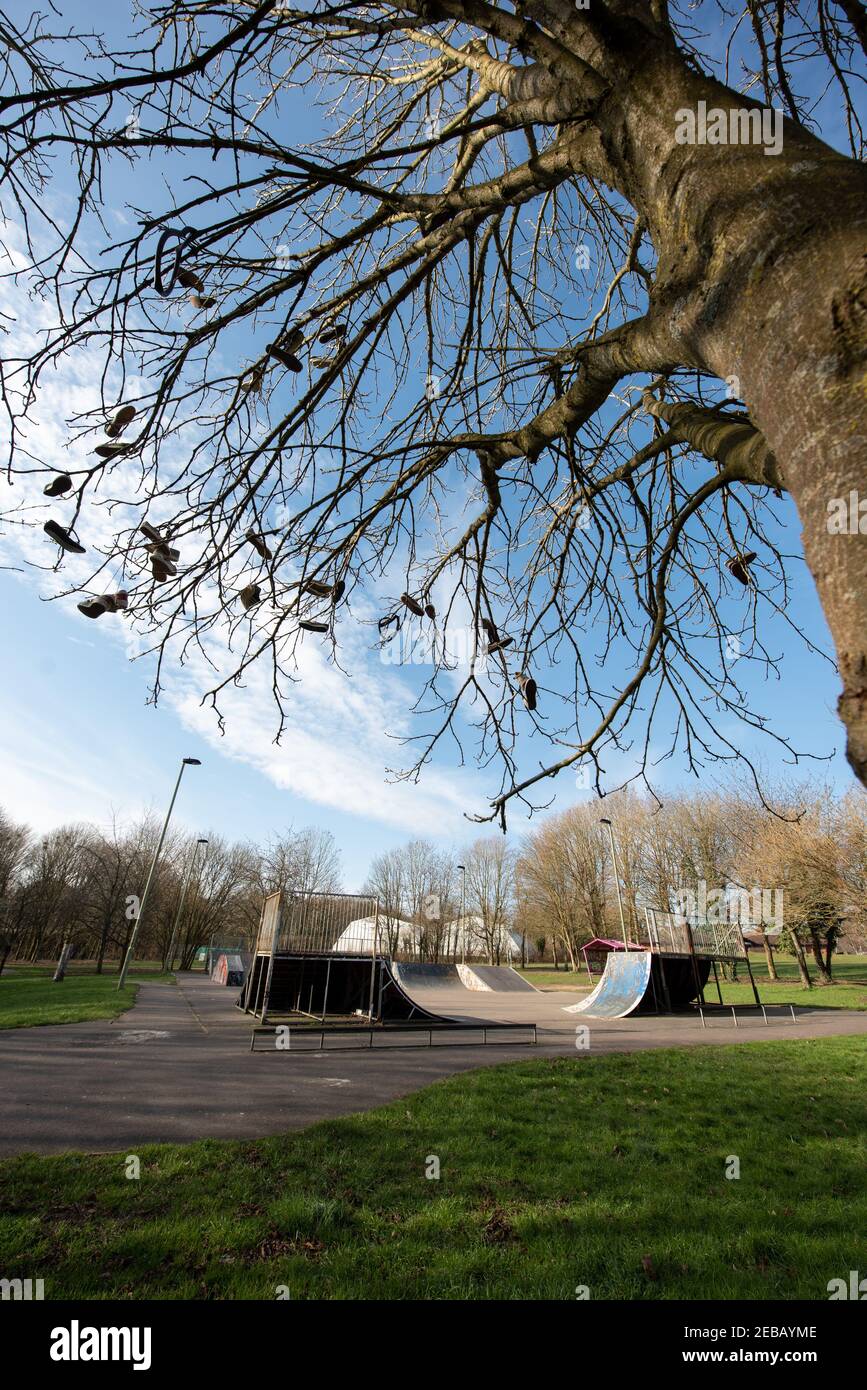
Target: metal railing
[{"x": 670, "y": 934}]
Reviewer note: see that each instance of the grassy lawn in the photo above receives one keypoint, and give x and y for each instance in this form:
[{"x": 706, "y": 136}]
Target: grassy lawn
[
  {"x": 28, "y": 995},
  {"x": 600, "y": 1171},
  {"x": 546, "y": 977},
  {"x": 836, "y": 996}
]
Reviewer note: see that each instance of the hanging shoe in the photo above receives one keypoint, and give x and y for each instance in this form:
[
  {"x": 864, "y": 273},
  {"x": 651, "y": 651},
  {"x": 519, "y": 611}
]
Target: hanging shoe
[
  {"x": 250, "y": 596},
  {"x": 285, "y": 356},
  {"x": 163, "y": 551},
  {"x": 67, "y": 540},
  {"x": 320, "y": 589},
  {"x": 93, "y": 607},
  {"x": 490, "y": 631},
  {"x": 333, "y": 333},
  {"x": 737, "y": 566},
  {"x": 59, "y": 486},
  {"x": 393, "y": 620},
  {"x": 412, "y": 604},
  {"x": 122, "y": 418},
  {"x": 430, "y": 611},
  {"x": 310, "y": 626},
  {"x": 498, "y": 646},
  {"x": 162, "y": 569},
  {"x": 112, "y": 451},
  {"x": 104, "y": 603},
  {"x": 259, "y": 544},
  {"x": 152, "y": 533},
  {"x": 251, "y": 383},
  {"x": 202, "y": 301},
  {"x": 528, "y": 690},
  {"x": 292, "y": 339},
  {"x": 189, "y": 279},
  {"x": 184, "y": 236}
]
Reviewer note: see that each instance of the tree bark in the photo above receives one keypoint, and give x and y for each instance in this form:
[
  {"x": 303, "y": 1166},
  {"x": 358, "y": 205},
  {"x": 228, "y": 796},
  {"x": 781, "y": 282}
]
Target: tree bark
[
  {"x": 763, "y": 273},
  {"x": 769, "y": 957},
  {"x": 816, "y": 947},
  {"x": 801, "y": 959}
]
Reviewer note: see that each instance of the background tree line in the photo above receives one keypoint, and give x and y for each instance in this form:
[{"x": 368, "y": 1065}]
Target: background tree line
[
  {"x": 814, "y": 853},
  {"x": 555, "y": 888},
  {"x": 79, "y": 884}
]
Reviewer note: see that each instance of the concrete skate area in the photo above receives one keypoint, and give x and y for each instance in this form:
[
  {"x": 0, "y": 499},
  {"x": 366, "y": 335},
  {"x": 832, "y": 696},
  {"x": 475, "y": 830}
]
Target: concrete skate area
[{"x": 176, "y": 1067}]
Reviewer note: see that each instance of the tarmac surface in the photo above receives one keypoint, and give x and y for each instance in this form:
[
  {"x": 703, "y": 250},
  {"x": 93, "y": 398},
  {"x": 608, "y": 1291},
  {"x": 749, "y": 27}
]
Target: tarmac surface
[{"x": 177, "y": 1065}]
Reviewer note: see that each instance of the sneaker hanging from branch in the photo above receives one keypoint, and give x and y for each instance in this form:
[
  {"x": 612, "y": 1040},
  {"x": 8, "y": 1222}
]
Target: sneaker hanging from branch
[
  {"x": 285, "y": 349},
  {"x": 104, "y": 603},
  {"x": 738, "y": 566},
  {"x": 528, "y": 690},
  {"x": 123, "y": 417},
  {"x": 67, "y": 540},
  {"x": 250, "y": 595},
  {"x": 259, "y": 544},
  {"x": 59, "y": 486},
  {"x": 392, "y": 621}
]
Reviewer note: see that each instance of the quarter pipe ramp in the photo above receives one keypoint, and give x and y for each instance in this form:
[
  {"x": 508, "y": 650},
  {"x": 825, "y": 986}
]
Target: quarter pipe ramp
[
  {"x": 497, "y": 978},
  {"x": 639, "y": 982}
]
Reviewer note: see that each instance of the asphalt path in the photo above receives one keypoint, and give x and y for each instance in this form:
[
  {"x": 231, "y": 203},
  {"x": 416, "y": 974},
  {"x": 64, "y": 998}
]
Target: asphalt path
[{"x": 177, "y": 1066}]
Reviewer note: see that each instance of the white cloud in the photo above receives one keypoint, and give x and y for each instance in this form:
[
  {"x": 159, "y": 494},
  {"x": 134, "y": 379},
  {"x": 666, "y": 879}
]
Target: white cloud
[{"x": 343, "y": 729}]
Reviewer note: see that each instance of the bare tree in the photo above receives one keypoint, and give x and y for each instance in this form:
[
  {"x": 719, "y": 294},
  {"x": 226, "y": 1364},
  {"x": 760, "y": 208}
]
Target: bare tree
[
  {"x": 490, "y": 895},
  {"x": 14, "y": 840},
  {"x": 414, "y": 883},
  {"x": 563, "y": 870},
  {"x": 504, "y": 282}
]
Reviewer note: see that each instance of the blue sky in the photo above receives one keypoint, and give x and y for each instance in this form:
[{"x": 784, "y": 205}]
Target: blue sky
[{"x": 78, "y": 740}]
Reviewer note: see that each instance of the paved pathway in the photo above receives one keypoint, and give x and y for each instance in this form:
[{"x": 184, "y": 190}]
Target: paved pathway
[{"x": 177, "y": 1066}]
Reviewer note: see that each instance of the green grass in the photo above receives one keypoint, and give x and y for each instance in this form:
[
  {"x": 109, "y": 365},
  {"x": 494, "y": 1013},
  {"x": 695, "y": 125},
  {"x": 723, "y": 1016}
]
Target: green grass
[
  {"x": 29, "y": 997},
  {"x": 601, "y": 1171},
  {"x": 836, "y": 996},
  {"x": 546, "y": 977}
]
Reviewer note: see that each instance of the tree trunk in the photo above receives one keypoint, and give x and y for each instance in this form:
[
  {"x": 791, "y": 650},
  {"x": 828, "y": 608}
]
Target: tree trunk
[
  {"x": 804, "y": 973},
  {"x": 816, "y": 948},
  {"x": 830, "y": 946},
  {"x": 769, "y": 957},
  {"x": 762, "y": 278}
]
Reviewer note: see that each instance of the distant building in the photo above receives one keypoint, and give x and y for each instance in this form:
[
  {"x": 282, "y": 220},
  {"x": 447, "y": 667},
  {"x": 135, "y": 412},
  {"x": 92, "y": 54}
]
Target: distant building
[{"x": 464, "y": 936}]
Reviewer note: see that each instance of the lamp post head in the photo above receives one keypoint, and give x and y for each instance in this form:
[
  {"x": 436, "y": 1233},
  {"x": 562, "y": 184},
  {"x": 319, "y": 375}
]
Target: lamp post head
[
  {"x": 603, "y": 820},
  {"x": 192, "y": 762},
  {"x": 463, "y": 868}
]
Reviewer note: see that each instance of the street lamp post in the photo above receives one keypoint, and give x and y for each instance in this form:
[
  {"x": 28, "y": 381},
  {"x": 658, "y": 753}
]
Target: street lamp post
[
  {"x": 127, "y": 960},
  {"x": 463, "y": 925},
  {"x": 603, "y": 820},
  {"x": 186, "y": 884}
]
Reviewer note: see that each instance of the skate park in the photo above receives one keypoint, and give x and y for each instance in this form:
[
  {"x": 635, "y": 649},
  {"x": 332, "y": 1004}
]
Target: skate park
[{"x": 179, "y": 1065}]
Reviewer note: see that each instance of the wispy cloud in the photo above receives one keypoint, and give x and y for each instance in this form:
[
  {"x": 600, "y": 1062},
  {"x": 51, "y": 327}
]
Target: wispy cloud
[{"x": 344, "y": 727}]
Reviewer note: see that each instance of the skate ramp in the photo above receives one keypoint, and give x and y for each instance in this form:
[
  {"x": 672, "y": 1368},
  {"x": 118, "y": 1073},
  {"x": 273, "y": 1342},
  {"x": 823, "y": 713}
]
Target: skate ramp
[
  {"x": 499, "y": 978},
  {"x": 624, "y": 984},
  {"x": 422, "y": 975},
  {"x": 638, "y": 982}
]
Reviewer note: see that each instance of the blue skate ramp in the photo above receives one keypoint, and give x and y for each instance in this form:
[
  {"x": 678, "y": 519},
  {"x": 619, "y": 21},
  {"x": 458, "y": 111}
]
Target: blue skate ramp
[
  {"x": 638, "y": 982},
  {"x": 625, "y": 981}
]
